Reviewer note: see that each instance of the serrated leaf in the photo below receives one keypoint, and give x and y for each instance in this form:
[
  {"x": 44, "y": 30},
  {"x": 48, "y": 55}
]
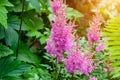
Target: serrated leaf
[
  {"x": 27, "y": 56},
  {"x": 5, "y": 51},
  {"x": 11, "y": 67},
  {"x": 14, "y": 22},
  {"x": 11, "y": 37}
]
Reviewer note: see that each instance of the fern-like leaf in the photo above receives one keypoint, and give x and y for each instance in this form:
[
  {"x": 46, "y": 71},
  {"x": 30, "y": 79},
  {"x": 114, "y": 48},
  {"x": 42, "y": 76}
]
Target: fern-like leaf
[{"x": 111, "y": 34}]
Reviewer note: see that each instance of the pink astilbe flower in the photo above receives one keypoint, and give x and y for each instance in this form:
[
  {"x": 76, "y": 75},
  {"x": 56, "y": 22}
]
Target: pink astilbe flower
[
  {"x": 100, "y": 47},
  {"x": 77, "y": 62},
  {"x": 50, "y": 47},
  {"x": 61, "y": 37},
  {"x": 93, "y": 78},
  {"x": 94, "y": 30},
  {"x": 56, "y": 5}
]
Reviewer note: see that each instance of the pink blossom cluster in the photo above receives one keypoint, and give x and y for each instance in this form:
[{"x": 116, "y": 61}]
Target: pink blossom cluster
[
  {"x": 77, "y": 62},
  {"x": 93, "y": 78},
  {"x": 56, "y": 5},
  {"x": 94, "y": 33},
  {"x": 61, "y": 37},
  {"x": 100, "y": 47},
  {"x": 94, "y": 30}
]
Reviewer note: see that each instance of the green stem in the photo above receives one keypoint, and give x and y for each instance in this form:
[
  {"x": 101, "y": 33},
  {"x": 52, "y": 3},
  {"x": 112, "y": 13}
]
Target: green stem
[
  {"x": 72, "y": 76},
  {"x": 21, "y": 18}
]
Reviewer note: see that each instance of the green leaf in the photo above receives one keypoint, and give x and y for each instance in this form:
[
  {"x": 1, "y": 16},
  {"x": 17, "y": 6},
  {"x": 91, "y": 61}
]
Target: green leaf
[
  {"x": 12, "y": 67},
  {"x": 17, "y": 5},
  {"x": 14, "y": 22},
  {"x": 9, "y": 4},
  {"x": 34, "y": 4},
  {"x": 43, "y": 39},
  {"x": 3, "y": 16},
  {"x": 33, "y": 23},
  {"x": 45, "y": 6},
  {"x": 2, "y": 32},
  {"x": 11, "y": 37},
  {"x": 31, "y": 74},
  {"x": 5, "y": 51},
  {"x": 18, "y": 8},
  {"x": 3, "y": 2},
  {"x": 36, "y": 34},
  {"x": 51, "y": 18},
  {"x": 27, "y": 56},
  {"x": 72, "y": 13},
  {"x": 37, "y": 74}
]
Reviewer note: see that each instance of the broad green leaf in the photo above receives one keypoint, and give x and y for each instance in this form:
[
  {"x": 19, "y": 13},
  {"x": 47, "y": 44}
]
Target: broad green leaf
[
  {"x": 14, "y": 22},
  {"x": 3, "y": 16},
  {"x": 33, "y": 23},
  {"x": 27, "y": 56},
  {"x": 5, "y": 51},
  {"x": 38, "y": 23},
  {"x": 12, "y": 67},
  {"x": 34, "y": 4},
  {"x": 11, "y": 37}
]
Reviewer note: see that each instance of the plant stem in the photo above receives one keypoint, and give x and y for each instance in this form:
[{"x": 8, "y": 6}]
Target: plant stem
[
  {"x": 72, "y": 76},
  {"x": 21, "y": 18}
]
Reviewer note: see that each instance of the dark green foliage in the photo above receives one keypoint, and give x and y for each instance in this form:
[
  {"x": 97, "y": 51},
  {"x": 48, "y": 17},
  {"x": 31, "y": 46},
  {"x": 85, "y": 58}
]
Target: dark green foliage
[
  {"x": 5, "y": 51},
  {"x": 27, "y": 56},
  {"x": 34, "y": 32},
  {"x": 11, "y": 67}
]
